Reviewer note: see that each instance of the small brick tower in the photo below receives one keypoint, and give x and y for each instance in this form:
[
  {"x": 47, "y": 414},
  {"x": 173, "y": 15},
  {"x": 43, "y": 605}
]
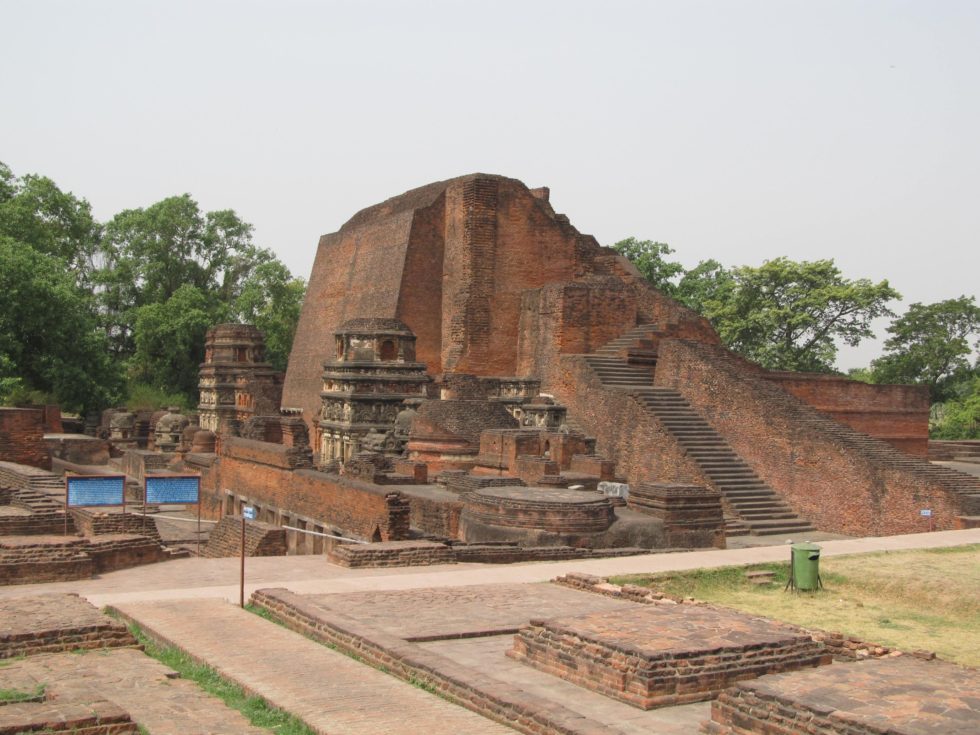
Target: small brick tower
[
  {"x": 235, "y": 380},
  {"x": 364, "y": 389}
]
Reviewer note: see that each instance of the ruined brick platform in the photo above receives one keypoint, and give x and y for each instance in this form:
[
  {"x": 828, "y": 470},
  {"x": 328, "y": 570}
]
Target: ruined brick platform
[
  {"x": 44, "y": 558},
  {"x": 99, "y": 717},
  {"x": 392, "y": 554},
  {"x": 550, "y": 509},
  {"x": 53, "y": 623},
  {"x": 654, "y": 656},
  {"x": 897, "y": 696}
]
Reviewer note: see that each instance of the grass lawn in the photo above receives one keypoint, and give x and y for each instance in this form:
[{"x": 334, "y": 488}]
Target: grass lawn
[{"x": 909, "y": 600}]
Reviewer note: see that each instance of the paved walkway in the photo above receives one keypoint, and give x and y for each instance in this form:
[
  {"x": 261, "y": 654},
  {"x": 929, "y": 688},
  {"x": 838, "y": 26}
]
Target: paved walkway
[
  {"x": 329, "y": 691},
  {"x": 218, "y": 578},
  {"x": 143, "y": 687}
]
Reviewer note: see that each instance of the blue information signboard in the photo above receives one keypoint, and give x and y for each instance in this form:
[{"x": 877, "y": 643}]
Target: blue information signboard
[
  {"x": 173, "y": 489},
  {"x": 91, "y": 490}
]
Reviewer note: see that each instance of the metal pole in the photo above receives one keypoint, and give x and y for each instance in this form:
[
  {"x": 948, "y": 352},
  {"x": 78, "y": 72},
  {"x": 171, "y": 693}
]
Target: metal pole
[
  {"x": 241, "y": 589},
  {"x": 144, "y": 503},
  {"x": 199, "y": 525}
]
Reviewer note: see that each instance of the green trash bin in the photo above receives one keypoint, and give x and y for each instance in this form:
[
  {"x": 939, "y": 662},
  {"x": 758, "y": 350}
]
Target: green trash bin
[{"x": 805, "y": 567}]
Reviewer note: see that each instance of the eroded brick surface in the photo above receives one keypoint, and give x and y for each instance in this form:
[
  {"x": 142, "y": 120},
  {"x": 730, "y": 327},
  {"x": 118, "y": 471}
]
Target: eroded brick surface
[
  {"x": 51, "y": 623},
  {"x": 452, "y": 612},
  {"x": 898, "y": 696},
  {"x": 652, "y": 656}
]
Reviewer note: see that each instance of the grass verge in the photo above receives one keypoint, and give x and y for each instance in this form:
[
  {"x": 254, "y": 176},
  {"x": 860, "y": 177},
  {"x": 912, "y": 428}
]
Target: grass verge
[
  {"x": 909, "y": 600},
  {"x": 256, "y": 709},
  {"x": 12, "y": 696}
]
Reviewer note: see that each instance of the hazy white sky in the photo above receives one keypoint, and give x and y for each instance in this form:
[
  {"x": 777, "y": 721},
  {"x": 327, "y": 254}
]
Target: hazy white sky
[{"x": 740, "y": 131}]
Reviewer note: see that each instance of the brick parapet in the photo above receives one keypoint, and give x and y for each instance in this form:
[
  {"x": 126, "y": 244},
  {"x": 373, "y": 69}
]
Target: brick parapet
[
  {"x": 252, "y": 470},
  {"x": 841, "y": 480},
  {"x": 261, "y": 539},
  {"x": 626, "y": 432}
]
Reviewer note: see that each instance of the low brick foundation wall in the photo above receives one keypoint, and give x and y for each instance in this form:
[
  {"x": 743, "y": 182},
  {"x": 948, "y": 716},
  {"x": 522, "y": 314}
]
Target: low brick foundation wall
[
  {"x": 424, "y": 553},
  {"x": 496, "y": 700},
  {"x": 54, "y": 623},
  {"x": 840, "y": 646},
  {"x": 898, "y": 697},
  {"x": 261, "y": 539},
  {"x": 34, "y": 524},
  {"x": 31, "y": 560},
  {"x": 123, "y": 551},
  {"x": 99, "y": 717},
  {"x": 392, "y": 554},
  {"x": 655, "y": 657},
  {"x": 92, "y": 522}
]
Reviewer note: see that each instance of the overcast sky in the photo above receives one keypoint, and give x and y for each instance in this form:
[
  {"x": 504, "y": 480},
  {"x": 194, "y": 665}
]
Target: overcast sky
[{"x": 739, "y": 131}]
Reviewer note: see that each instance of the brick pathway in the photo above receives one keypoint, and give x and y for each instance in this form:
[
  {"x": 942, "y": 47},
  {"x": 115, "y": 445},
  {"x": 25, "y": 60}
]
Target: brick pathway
[
  {"x": 454, "y": 612},
  {"x": 329, "y": 691},
  {"x": 138, "y": 684}
]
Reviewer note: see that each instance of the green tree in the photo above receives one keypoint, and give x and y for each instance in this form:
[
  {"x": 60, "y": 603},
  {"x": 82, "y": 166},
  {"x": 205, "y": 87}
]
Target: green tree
[
  {"x": 960, "y": 418},
  {"x": 788, "y": 315},
  {"x": 151, "y": 253},
  {"x": 270, "y": 298},
  {"x": 706, "y": 287},
  {"x": 50, "y": 341},
  {"x": 169, "y": 340},
  {"x": 35, "y": 212},
  {"x": 650, "y": 259},
  {"x": 931, "y": 344}
]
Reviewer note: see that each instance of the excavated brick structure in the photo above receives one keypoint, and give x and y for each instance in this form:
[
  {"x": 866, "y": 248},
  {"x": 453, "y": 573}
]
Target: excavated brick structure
[{"x": 494, "y": 283}]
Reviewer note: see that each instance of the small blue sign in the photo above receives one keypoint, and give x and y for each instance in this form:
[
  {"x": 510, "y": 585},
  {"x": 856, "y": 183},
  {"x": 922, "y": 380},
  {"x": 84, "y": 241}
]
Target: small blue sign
[
  {"x": 248, "y": 513},
  {"x": 92, "y": 490},
  {"x": 173, "y": 489},
  {"x": 925, "y": 513}
]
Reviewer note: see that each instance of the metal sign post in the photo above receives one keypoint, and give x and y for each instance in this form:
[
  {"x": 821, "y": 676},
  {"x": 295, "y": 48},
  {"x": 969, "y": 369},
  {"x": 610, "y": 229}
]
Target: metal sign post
[{"x": 248, "y": 513}]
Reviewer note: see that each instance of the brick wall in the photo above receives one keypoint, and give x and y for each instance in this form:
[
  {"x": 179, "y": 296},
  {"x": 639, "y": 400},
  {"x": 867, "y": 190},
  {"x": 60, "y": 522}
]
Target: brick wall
[
  {"x": 261, "y": 539},
  {"x": 843, "y": 481},
  {"x": 899, "y": 414},
  {"x": 625, "y": 432},
  {"x": 260, "y": 472},
  {"x": 22, "y": 437}
]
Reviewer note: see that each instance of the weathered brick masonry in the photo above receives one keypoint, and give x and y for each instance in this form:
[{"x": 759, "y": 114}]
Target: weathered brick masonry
[
  {"x": 840, "y": 479},
  {"x": 262, "y": 473},
  {"x": 899, "y": 414},
  {"x": 22, "y": 437}
]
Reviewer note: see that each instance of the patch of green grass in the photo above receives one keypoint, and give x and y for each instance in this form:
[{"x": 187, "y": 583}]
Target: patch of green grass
[
  {"x": 12, "y": 696},
  {"x": 256, "y": 709},
  {"x": 923, "y": 599},
  {"x": 12, "y": 660}
]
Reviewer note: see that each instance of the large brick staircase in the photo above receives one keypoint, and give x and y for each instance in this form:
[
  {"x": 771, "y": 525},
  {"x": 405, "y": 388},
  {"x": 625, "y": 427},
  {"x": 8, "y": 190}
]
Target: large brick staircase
[{"x": 752, "y": 506}]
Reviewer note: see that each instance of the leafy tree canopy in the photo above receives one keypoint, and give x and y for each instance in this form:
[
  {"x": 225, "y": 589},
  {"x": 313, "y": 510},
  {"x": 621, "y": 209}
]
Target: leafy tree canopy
[
  {"x": 649, "y": 258},
  {"x": 35, "y": 212},
  {"x": 270, "y": 298},
  {"x": 784, "y": 314},
  {"x": 142, "y": 288},
  {"x": 931, "y": 344},
  {"x": 787, "y": 315},
  {"x": 50, "y": 341},
  {"x": 170, "y": 339},
  {"x": 960, "y": 418}
]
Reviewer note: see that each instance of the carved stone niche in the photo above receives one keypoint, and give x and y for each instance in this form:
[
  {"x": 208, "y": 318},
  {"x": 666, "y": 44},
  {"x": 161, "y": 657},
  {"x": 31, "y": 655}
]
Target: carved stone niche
[{"x": 169, "y": 429}]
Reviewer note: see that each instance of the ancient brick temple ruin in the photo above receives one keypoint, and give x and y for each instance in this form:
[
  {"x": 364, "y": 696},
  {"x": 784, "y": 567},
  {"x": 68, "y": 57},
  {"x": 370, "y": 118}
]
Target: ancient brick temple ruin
[
  {"x": 472, "y": 369},
  {"x": 472, "y": 375}
]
